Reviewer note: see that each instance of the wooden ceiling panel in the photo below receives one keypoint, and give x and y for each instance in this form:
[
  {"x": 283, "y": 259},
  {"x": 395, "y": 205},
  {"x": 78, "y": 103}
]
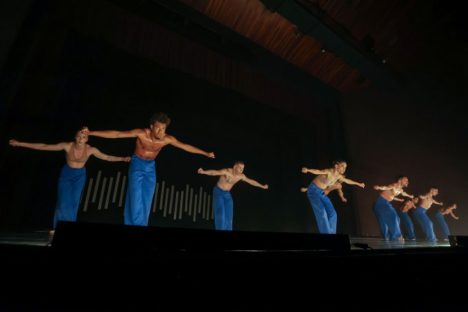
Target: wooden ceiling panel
[
  {"x": 272, "y": 31},
  {"x": 392, "y": 30}
]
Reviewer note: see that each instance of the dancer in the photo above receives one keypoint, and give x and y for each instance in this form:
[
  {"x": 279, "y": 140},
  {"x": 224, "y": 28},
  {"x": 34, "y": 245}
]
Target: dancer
[
  {"x": 324, "y": 211},
  {"x": 441, "y": 219},
  {"x": 420, "y": 213},
  {"x": 73, "y": 175},
  {"x": 386, "y": 215},
  {"x": 222, "y": 199},
  {"x": 142, "y": 170},
  {"x": 404, "y": 215}
]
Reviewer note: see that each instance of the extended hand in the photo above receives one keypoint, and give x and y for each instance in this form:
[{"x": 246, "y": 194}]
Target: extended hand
[
  {"x": 304, "y": 170},
  {"x": 210, "y": 155},
  {"x": 303, "y": 189},
  {"x": 13, "y": 142},
  {"x": 127, "y": 159},
  {"x": 265, "y": 187},
  {"x": 200, "y": 171},
  {"x": 362, "y": 185}
]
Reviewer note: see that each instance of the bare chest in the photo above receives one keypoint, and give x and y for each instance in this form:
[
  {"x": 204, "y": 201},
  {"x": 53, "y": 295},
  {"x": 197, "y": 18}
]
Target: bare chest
[
  {"x": 148, "y": 145},
  {"x": 230, "y": 179},
  {"x": 78, "y": 154}
]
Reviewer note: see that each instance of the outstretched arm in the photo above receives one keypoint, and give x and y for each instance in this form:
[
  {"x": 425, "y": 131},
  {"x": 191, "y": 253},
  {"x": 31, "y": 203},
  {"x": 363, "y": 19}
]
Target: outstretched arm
[
  {"x": 398, "y": 199},
  {"x": 453, "y": 215},
  {"x": 40, "y": 146},
  {"x": 383, "y": 188},
  {"x": 255, "y": 183},
  {"x": 407, "y": 195},
  {"x": 437, "y": 203},
  {"x": 314, "y": 171},
  {"x": 114, "y": 134},
  {"x": 190, "y": 148},
  {"x": 351, "y": 182},
  {"x": 106, "y": 157},
  {"x": 213, "y": 172}
]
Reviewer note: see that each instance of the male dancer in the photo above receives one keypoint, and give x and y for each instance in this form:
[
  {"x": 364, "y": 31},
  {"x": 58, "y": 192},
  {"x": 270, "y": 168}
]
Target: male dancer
[
  {"x": 324, "y": 211},
  {"x": 73, "y": 175},
  {"x": 387, "y": 216},
  {"x": 421, "y": 213},
  {"x": 142, "y": 170},
  {"x": 222, "y": 199},
  {"x": 404, "y": 215},
  {"x": 441, "y": 219}
]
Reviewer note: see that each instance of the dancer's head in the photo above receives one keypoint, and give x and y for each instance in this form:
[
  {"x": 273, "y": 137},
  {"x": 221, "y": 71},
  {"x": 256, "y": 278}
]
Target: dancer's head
[
  {"x": 340, "y": 166},
  {"x": 403, "y": 180},
  {"x": 238, "y": 167},
  {"x": 81, "y": 136},
  {"x": 434, "y": 191},
  {"x": 158, "y": 124}
]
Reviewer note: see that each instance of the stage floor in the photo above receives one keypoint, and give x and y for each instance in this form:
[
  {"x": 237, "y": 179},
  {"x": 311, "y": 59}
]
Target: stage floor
[
  {"x": 256, "y": 280},
  {"x": 41, "y": 238}
]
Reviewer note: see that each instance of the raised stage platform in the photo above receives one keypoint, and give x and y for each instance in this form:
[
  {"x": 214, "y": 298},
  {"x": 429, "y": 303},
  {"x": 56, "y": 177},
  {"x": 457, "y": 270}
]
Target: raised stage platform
[{"x": 105, "y": 268}]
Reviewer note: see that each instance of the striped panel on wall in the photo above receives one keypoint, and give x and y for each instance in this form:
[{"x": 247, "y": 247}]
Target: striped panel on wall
[{"x": 104, "y": 193}]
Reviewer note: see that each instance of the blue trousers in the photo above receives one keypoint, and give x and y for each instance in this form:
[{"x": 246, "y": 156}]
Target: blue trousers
[
  {"x": 70, "y": 187},
  {"x": 325, "y": 214},
  {"x": 409, "y": 226},
  {"x": 388, "y": 219},
  {"x": 443, "y": 224},
  {"x": 223, "y": 209},
  {"x": 140, "y": 191},
  {"x": 426, "y": 224}
]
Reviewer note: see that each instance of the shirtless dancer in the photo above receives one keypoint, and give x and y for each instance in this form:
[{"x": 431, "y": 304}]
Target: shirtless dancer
[
  {"x": 324, "y": 211},
  {"x": 440, "y": 217},
  {"x": 386, "y": 214},
  {"x": 73, "y": 175},
  {"x": 420, "y": 213},
  {"x": 142, "y": 170},
  {"x": 404, "y": 215},
  {"x": 222, "y": 199}
]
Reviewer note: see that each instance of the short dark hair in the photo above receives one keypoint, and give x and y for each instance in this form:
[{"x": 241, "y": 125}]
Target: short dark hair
[
  {"x": 160, "y": 117},
  {"x": 239, "y": 162},
  {"x": 339, "y": 161},
  {"x": 401, "y": 176}
]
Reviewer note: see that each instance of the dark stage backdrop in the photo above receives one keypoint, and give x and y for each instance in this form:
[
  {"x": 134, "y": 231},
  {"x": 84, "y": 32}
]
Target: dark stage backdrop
[{"x": 105, "y": 88}]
